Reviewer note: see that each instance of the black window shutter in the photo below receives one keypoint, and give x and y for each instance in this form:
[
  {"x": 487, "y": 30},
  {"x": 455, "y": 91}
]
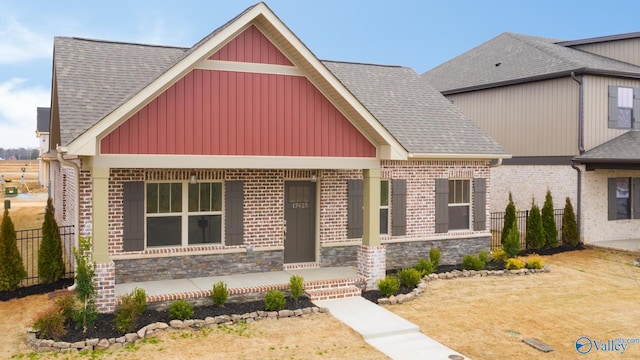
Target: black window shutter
[
  {"x": 133, "y": 216},
  {"x": 354, "y": 209},
  {"x": 442, "y": 205},
  {"x": 635, "y": 117},
  {"x": 479, "y": 204},
  {"x": 613, "y": 107},
  {"x": 612, "y": 186},
  {"x": 399, "y": 207},
  {"x": 234, "y": 213},
  {"x": 635, "y": 200}
]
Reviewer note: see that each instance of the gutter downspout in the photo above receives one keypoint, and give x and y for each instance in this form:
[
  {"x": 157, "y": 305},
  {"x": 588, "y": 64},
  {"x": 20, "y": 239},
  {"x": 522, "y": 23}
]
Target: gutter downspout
[
  {"x": 76, "y": 220},
  {"x": 497, "y": 164},
  {"x": 580, "y": 146}
]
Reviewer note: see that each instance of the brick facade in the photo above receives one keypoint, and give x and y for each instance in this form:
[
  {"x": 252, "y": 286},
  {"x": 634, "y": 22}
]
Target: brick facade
[
  {"x": 264, "y": 224},
  {"x": 532, "y": 181},
  {"x": 595, "y": 225}
]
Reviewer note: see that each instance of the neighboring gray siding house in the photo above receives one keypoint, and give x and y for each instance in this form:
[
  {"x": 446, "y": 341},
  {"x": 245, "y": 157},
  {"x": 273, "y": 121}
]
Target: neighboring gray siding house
[
  {"x": 568, "y": 112},
  {"x": 245, "y": 153},
  {"x": 42, "y": 133}
]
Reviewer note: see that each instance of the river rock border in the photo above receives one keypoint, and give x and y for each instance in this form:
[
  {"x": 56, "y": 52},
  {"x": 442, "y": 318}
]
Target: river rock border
[
  {"x": 420, "y": 288},
  {"x": 43, "y": 345}
]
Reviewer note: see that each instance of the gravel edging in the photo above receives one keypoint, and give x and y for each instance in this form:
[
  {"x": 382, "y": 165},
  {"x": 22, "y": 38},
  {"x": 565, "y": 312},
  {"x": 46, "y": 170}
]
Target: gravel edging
[
  {"x": 455, "y": 274},
  {"x": 44, "y": 345}
]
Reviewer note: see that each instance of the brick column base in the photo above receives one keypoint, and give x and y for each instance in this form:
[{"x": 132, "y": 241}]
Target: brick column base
[
  {"x": 372, "y": 264},
  {"x": 105, "y": 284}
]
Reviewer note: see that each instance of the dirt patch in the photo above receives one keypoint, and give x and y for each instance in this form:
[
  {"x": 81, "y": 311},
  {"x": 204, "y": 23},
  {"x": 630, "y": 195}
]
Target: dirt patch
[{"x": 590, "y": 293}]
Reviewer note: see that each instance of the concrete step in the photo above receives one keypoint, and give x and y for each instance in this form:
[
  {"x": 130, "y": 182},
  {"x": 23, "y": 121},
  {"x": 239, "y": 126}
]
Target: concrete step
[{"x": 334, "y": 293}]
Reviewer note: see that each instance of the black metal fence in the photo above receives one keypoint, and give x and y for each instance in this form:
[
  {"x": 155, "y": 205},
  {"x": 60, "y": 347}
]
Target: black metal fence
[
  {"x": 28, "y": 245},
  {"x": 497, "y": 223}
]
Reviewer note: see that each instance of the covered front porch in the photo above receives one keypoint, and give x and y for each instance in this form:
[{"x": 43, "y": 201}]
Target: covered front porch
[{"x": 320, "y": 284}]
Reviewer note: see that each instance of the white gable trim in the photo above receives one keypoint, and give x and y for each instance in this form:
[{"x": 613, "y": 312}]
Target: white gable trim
[{"x": 87, "y": 143}]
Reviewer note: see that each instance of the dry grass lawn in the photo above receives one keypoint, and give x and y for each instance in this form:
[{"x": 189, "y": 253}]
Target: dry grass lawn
[
  {"x": 590, "y": 293},
  {"x": 587, "y": 293}
]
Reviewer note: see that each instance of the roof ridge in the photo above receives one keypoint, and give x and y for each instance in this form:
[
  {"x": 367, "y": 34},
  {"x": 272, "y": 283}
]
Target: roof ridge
[
  {"x": 363, "y": 63},
  {"x": 120, "y": 42},
  {"x": 552, "y": 42}
]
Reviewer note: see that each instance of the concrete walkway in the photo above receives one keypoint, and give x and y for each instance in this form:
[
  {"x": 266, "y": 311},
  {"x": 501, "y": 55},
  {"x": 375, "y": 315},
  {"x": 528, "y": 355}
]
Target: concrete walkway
[{"x": 386, "y": 331}]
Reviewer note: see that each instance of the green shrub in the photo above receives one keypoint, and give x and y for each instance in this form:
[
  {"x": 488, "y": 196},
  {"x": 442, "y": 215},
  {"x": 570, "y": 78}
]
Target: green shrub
[
  {"x": 535, "y": 231},
  {"x": 219, "y": 293},
  {"x": 434, "y": 256},
  {"x": 535, "y": 262},
  {"x": 510, "y": 219},
  {"x": 389, "y": 285},
  {"x": 470, "y": 262},
  {"x": 424, "y": 267},
  {"x": 570, "y": 235},
  {"x": 133, "y": 305},
  {"x": 499, "y": 256},
  {"x": 50, "y": 323},
  {"x": 549, "y": 222},
  {"x": 409, "y": 277},
  {"x": 66, "y": 303},
  {"x": 85, "y": 291},
  {"x": 296, "y": 286},
  {"x": 11, "y": 267},
  {"x": 50, "y": 261},
  {"x": 514, "y": 264},
  {"x": 483, "y": 256},
  {"x": 274, "y": 300},
  {"x": 511, "y": 243},
  {"x": 180, "y": 310}
]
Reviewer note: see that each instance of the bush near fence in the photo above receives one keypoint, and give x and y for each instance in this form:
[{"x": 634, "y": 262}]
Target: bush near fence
[
  {"x": 497, "y": 223},
  {"x": 28, "y": 245}
]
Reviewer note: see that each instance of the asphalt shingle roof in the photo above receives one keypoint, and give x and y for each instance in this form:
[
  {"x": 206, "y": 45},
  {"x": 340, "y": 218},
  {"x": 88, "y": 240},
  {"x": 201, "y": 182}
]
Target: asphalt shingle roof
[
  {"x": 624, "y": 148},
  {"x": 511, "y": 57},
  {"x": 94, "y": 77},
  {"x": 416, "y": 114},
  {"x": 42, "y": 119}
]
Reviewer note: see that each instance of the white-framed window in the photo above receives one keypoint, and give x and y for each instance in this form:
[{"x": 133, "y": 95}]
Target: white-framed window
[
  {"x": 183, "y": 214},
  {"x": 459, "y": 204},
  {"x": 384, "y": 207}
]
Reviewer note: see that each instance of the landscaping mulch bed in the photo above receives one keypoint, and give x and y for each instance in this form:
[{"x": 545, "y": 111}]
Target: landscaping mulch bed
[{"x": 104, "y": 326}]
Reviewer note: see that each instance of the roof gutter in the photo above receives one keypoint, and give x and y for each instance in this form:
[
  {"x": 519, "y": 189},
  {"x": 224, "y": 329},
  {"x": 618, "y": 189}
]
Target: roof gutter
[
  {"x": 541, "y": 78},
  {"x": 431, "y": 156},
  {"x": 76, "y": 220}
]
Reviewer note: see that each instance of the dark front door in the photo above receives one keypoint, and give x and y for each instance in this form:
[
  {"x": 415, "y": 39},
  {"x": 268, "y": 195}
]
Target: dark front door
[{"x": 300, "y": 221}]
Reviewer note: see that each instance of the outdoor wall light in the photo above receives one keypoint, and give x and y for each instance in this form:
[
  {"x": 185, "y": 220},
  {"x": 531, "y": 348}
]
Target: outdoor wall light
[
  {"x": 193, "y": 179},
  {"x": 314, "y": 177}
]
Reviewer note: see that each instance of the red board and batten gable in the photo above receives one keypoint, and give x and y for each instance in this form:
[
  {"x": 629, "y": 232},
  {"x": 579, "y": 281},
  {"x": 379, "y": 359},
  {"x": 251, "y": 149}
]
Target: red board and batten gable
[{"x": 212, "y": 112}]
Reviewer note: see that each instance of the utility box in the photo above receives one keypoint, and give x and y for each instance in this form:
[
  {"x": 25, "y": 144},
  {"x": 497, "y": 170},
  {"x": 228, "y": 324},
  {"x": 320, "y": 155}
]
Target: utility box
[
  {"x": 11, "y": 191},
  {"x": 7, "y": 204}
]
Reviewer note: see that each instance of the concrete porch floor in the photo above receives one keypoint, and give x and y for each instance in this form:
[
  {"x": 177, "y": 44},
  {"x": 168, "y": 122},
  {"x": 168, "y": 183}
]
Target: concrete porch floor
[{"x": 161, "y": 290}]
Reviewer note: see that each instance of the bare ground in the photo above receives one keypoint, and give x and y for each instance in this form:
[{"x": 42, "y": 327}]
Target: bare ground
[{"x": 587, "y": 293}]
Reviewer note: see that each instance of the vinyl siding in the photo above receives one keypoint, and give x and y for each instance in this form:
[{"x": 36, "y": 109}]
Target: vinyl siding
[
  {"x": 535, "y": 119},
  {"x": 596, "y": 109},
  {"x": 623, "y": 50}
]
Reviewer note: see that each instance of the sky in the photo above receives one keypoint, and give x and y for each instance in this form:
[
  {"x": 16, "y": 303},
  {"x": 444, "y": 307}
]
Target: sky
[{"x": 420, "y": 34}]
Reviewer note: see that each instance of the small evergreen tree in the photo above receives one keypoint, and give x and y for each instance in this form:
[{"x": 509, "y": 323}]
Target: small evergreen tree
[
  {"x": 509, "y": 219},
  {"x": 85, "y": 290},
  {"x": 535, "y": 231},
  {"x": 549, "y": 222},
  {"x": 511, "y": 244},
  {"x": 50, "y": 262},
  {"x": 11, "y": 267},
  {"x": 570, "y": 234}
]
